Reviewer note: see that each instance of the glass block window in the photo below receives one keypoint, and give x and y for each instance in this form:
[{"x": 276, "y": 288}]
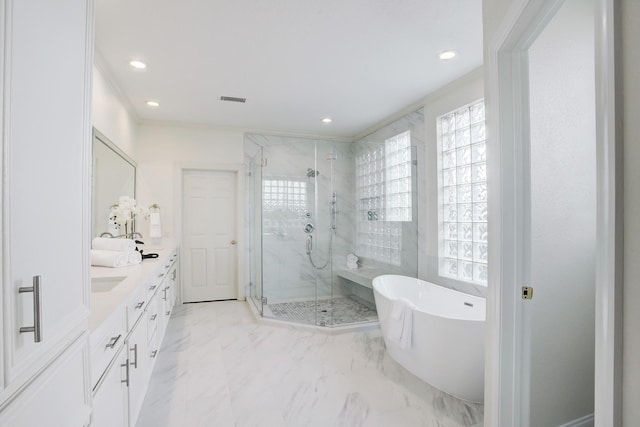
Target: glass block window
[
  {"x": 383, "y": 175},
  {"x": 462, "y": 194},
  {"x": 284, "y": 201},
  {"x": 398, "y": 177}
]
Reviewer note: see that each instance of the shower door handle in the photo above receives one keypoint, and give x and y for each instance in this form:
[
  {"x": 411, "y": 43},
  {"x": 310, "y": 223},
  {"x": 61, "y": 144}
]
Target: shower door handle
[{"x": 309, "y": 244}]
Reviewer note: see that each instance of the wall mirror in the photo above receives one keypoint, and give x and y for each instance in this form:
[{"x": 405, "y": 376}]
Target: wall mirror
[{"x": 114, "y": 175}]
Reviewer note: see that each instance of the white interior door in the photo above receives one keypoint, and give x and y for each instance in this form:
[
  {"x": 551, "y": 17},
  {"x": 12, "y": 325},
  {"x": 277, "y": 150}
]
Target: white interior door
[
  {"x": 209, "y": 235},
  {"x": 559, "y": 255}
]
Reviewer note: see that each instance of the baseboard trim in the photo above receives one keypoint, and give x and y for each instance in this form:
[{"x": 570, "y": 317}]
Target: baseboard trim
[{"x": 586, "y": 421}]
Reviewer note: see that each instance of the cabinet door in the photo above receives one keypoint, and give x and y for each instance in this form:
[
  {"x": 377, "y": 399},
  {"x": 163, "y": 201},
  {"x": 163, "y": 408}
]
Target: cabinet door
[
  {"x": 110, "y": 399},
  {"x": 137, "y": 347},
  {"x": 46, "y": 181},
  {"x": 59, "y": 396}
]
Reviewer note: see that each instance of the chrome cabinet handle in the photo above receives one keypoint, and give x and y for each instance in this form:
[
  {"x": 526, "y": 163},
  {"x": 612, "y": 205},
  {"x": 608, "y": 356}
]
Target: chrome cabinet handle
[
  {"x": 153, "y": 353},
  {"x": 139, "y": 305},
  {"x": 164, "y": 296},
  {"x": 36, "y": 328},
  {"x": 126, "y": 368},
  {"x": 113, "y": 341},
  {"x": 161, "y": 275},
  {"x": 168, "y": 313},
  {"x": 154, "y": 317},
  {"x": 173, "y": 275},
  {"x": 153, "y": 288},
  {"x": 135, "y": 356}
]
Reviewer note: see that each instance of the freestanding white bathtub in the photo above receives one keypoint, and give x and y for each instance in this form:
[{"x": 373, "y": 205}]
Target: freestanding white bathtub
[{"x": 446, "y": 347}]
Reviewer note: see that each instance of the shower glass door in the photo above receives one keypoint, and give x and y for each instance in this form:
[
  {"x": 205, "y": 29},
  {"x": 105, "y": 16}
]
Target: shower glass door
[{"x": 288, "y": 201}]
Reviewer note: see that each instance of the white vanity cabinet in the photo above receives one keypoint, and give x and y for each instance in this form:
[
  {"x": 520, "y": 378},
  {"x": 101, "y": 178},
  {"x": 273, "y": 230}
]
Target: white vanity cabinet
[
  {"x": 45, "y": 92},
  {"x": 137, "y": 345},
  {"x": 110, "y": 400},
  {"x": 136, "y": 311}
]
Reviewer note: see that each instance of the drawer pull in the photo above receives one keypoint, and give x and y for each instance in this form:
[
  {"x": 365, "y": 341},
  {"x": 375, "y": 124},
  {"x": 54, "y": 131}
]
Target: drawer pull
[
  {"x": 161, "y": 275},
  {"x": 112, "y": 342},
  {"x": 139, "y": 305},
  {"x": 135, "y": 356},
  {"x": 154, "y": 317},
  {"x": 168, "y": 313},
  {"x": 153, "y": 288},
  {"x": 126, "y": 368},
  {"x": 154, "y": 353},
  {"x": 167, "y": 266}
]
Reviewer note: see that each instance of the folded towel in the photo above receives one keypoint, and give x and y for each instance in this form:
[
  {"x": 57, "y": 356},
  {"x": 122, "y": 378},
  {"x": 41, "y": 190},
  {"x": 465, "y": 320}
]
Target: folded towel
[
  {"x": 154, "y": 218},
  {"x": 135, "y": 257},
  {"x": 109, "y": 244},
  {"x": 352, "y": 265},
  {"x": 400, "y": 325},
  {"x": 102, "y": 258},
  {"x": 155, "y": 228}
]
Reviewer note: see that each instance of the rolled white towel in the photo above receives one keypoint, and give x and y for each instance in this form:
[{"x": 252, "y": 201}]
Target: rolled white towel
[
  {"x": 135, "y": 257},
  {"x": 109, "y": 244},
  {"x": 102, "y": 258},
  {"x": 352, "y": 265}
]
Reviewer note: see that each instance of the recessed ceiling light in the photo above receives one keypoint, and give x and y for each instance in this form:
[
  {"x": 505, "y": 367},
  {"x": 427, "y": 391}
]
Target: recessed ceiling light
[
  {"x": 153, "y": 104},
  {"x": 139, "y": 65},
  {"x": 327, "y": 120},
  {"x": 447, "y": 54}
]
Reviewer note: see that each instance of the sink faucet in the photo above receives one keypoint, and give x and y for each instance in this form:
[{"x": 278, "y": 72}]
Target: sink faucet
[{"x": 122, "y": 236}]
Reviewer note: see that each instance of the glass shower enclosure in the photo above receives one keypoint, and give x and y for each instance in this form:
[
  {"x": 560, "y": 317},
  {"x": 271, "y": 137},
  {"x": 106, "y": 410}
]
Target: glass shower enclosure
[{"x": 313, "y": 202}]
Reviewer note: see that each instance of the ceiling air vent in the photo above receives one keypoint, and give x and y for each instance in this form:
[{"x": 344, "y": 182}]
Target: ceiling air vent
[{"x": 233, "y": 99}]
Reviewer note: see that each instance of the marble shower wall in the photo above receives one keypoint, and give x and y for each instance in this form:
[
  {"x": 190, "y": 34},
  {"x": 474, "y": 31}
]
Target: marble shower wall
[{"x": 286, "y": 271}]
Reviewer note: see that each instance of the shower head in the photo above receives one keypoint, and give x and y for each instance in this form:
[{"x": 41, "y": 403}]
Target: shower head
[{"x": 312, "y": 173}]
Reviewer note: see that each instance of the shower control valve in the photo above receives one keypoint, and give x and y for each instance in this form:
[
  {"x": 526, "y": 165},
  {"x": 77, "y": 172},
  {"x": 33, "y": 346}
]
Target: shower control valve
[{"x": 309, "y": 228}]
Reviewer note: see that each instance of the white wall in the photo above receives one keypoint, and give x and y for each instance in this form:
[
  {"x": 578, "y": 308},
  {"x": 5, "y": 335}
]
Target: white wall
[
  {"x": 110, "y": 114},
  {"x": 161, "y": 150},
  {"x": 457, "y": 94},
  {"x": 563, "y": 216},
  {"x": 631, "y": 324}
]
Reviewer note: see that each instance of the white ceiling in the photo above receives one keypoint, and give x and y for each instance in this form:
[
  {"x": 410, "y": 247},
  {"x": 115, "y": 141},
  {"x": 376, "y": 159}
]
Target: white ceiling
[{"x": 296, "y": 61}]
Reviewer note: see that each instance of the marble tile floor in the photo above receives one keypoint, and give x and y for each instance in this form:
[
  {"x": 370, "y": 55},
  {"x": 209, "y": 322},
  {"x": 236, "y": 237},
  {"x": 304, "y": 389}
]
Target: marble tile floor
[
  {"x": 219, "y": 367},
  {"x": 329, "y": 312}
]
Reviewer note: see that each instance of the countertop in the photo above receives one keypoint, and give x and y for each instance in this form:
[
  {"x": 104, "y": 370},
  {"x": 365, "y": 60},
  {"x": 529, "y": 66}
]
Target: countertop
[{"x": 104, "y": 304}]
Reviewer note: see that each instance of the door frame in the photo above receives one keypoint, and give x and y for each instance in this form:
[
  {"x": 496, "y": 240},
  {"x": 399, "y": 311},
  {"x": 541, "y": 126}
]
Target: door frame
[
  {"x": 238, "y": 168},
  {"x": 507, "y": 112}
]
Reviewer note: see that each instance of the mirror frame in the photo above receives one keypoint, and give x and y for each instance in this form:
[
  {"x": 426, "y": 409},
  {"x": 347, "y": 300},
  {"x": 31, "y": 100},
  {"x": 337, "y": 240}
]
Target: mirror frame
[{"x": 98, "y": 136}]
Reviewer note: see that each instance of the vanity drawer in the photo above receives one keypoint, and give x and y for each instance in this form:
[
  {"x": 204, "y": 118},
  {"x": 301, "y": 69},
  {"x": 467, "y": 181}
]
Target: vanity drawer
[
  {"x": 152, "y": 318},
  {"x": 135, "y": 307},
  {"x": 152, "y": 286},
  {"x": 105, "y": 342}
]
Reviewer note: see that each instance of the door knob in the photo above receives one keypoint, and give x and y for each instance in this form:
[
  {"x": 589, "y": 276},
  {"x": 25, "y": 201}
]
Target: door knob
[{"x": 233, "y": 242}]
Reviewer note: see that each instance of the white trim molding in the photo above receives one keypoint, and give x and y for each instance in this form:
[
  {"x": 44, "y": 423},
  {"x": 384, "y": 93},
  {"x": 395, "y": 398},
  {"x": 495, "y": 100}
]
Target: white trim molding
[
  {"x": 507, "y": 105},
  {"x": 586, "y": 421}
]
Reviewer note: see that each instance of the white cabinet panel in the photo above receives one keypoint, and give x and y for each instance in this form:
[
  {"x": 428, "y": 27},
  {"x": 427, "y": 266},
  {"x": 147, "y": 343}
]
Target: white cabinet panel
[
  {"x": 137, "y": 346},
  {"x": 58, "y": 397},
  {"x": 47, "y": 98},
  {"x": 110, "y": 398}
]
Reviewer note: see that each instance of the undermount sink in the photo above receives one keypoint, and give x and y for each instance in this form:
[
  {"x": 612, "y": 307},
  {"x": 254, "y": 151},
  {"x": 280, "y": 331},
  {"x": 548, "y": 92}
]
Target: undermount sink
[{"x": 105, "y": 284}]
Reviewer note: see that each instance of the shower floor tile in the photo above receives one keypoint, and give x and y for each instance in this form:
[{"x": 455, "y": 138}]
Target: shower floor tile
[{"x": 329, "y": 312}]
